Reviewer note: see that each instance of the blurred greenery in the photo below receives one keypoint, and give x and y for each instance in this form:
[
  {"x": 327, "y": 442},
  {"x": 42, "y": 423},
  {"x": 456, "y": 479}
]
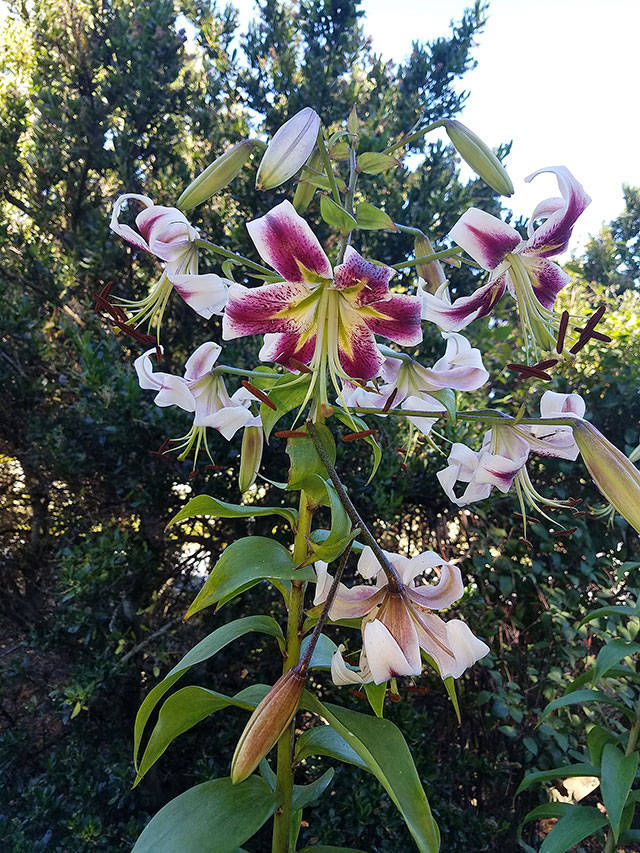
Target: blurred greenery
[{"x": 108, "y": 96}]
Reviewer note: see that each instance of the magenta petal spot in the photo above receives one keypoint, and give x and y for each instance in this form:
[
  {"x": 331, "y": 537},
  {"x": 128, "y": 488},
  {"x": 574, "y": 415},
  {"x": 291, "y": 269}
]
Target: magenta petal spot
[
  {"x": 254, "y": 311},
  {"x": 553, "y": 235},
  {"x": 547, "y": 279},
  {"x": 486, "y": 238},
  {"x": 281, "y": 348},
  {"x": 397, "y": 318},
  {"x": 370, "y": 281}
]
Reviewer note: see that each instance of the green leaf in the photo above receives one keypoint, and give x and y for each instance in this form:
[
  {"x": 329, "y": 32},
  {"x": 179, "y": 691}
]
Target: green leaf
[
  {"x": 372, "y": 163},
  {"x": 286, "y": 393},
  {"x": 612, "y": 610},
  {"x": 305, "y": 466},
  {"x": 323, "y": 740},
  {"x": 567, "y": 772},
  {"x": 218, "y": 810},
  {"x": 448, "y": 399},
  {"x": 183, "y": 710},
  {"x": 304, "y": 795},
  {"x": 340, "y": 533},
  {"x": 322, "y": 654},
  {"x": 618, "y": 773},
  {"x": 247, "y": 561},
  {"x": 596, "y": 740},
  {"x": 206, "y": 505},
  {"x": 336, "y": 216},
  {"x": 375, "y": 696},
  {"x": 577, "y": 824},
  {"x": 324, "y": 848},
  {"x": 308, "y": 176},
  {"x": 610, "y": 655},
  {"x": 349, "y": 420},
  {"x": 581, "y": 697},
  {"x": 203, "y": 651},
  {"x": 450, "y": 686},
  {"x": 370, "y": 218},
  {"x": 382, "y": 747}
]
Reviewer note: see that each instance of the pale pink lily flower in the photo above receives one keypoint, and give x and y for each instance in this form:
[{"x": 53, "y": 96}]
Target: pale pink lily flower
[
  {"x": 459, "y": 369},
  {"x": 200, "y": 391},
  {"x": 520, "y": 266},
  {"x": 502, "y": 459},
  {"x": 396, "y": 625},
  {"x": 166, "y": 233},
  {"x": 325, "y": 318}
]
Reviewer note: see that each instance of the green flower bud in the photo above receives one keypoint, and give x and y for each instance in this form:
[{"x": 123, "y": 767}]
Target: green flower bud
[
  {"x": 289, "y": 149},
  {"x": 250, "y": 456},
  {"x": 613, "y": 473},
  {"x": 479, "y": 157},
  {"x": 431, "y": 272},
  {"x": 267, "y": 723},
  {"x": 216, "y": 176}
]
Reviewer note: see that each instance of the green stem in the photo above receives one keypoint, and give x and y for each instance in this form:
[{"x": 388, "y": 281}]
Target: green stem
[
  {"x": 405, "y": 140},
  {"x": 349, "y": 200},
  {"x": 394, "y": 579},
  {"x": 487, "y": 415},
  {"x": 238, "y": 371},
  {"x": 284, "y": 771},
  {"x": 426, "y": 259},
  {"x": 322, "y": 148},
  {"x": 219, "y": 250}
]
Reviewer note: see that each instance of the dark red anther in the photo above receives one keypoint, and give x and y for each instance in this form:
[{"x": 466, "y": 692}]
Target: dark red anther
[
  {"x": 562, "y": 331},
  {"x": 291, "y": 433},
  {"x": 526, "y": 543},
  {"x": 213, "y": 468},
  {"x": 530, "y": 372},
  {"x": 132, "y": 332},
  {"x": 193, "y": 473},
  {"x": 599, "y": 336},
  {"x": 543, "y": 365},
  {"x": 568, "y": 532},
  {"x": 160, "y": 451},
  {"x": 389, "y": 400},
  {"x": 404, "y": 467},
  {"x": 395, "y": 697},
  {"x": 299, "y": 365},
  {"x": 358, "y": 694},
  {"x": 595, "y": 318},
  {"x": 580, "y": 514},
  {"x": 354, "y": 436},
  {"x": 260, "y": 395},
  {"x": 574, "y": 501}
]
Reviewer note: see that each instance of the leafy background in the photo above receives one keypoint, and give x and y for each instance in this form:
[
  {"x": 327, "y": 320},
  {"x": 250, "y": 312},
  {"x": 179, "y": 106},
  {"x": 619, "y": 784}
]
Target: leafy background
[{"x": 107, "y": 96}]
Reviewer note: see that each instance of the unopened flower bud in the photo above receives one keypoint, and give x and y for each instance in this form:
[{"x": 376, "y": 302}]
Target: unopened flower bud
[
  {"x": 289, "y": 149},
  {"x": 267, "y": 723},
  {"x": 479, "y": 157},
  {"x": 250, "y": 457},
  {"x": 613, "y": 473},
  {"x": 431, "y": 272},
  {"x": 216, "y": 176}
]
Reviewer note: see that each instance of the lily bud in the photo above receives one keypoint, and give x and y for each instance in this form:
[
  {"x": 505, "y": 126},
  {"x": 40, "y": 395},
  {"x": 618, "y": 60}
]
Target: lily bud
[
  {"x": 216, "y": 176},
  {"x": 479, "y": 157},
  {"x": 267, "y": 723},
  {"x": 431, "y": 272},
  {"x": 613, "y": 473},
  {"x": 289, "y": 149},
  {"x": 250, "y": 457}
]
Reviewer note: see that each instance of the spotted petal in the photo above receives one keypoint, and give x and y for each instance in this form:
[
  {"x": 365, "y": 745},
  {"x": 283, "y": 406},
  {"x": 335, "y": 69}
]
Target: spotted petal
[
  {"x": 166, "y": 230},
  {"x": 359, "y": 355},
  {"x": 201, "y": 361},
  {"x": 457, "y": 315},
  {"x": 484, "y": 237},
  {"x": 172, "y": 390},
  {"x": 206, "y": 294},
  {"x": 366, "y": 282},
  {"x": 282, "y": 307},
  {"x": 552, "y": 236},
  {"x": 281, "y": 348},
  {"x": 286, "y": 242},
  {"x": 547, "y": 279},
  {"x": 125, "y": 231},
  {"x": 396, "y": 318}
]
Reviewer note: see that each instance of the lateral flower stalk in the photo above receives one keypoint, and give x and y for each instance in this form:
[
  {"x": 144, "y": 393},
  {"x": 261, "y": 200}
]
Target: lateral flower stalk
[{"x": 614, "y": 474}]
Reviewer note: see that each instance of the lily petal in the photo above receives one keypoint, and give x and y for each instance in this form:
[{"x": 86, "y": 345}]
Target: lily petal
[
  {"x": 457, "y": 315},
  {"x": 460, "y": 367},
  {"x": 368, "y": 282},
  {"x": 552, "y": 237},
  {"x": 359, "y": 355},
  {"x": 280, "y": 348},
  {"x": 350, "y": 602},
  {"x": 206, "y": 294},
  {"x": 485, "y": 237},
  {"x": 229, "y": 420},
  {"x": 201, "y": 361},
  {"x": 172, "y": 390},
  {"x": 466, "y": 647},
  {"x": 547, "y": 279},
  {"x": 286, "y": 242},
  {"x": 342, "y": 674},
  {"x": 386, "y": 658},
  {"x": 269, "y": 308},
  {"x": 125, "y": 231},
  {"x": 396, "y": 318},
  {"x": 448, "y": 590},
  {"x": 553, "y": 404},
  {"x": 166, "y": 230},
  {"x": 427, "y": 404}
]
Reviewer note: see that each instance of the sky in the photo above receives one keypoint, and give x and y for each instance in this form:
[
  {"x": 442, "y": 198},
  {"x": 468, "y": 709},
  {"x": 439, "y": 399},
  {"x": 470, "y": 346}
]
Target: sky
[{"x": 558, "y": 77}]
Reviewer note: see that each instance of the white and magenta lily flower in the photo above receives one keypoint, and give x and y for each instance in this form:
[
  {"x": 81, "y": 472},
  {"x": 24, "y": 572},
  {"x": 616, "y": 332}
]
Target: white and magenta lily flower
[
  {"x": 324, "y": 318},
  {"x": 412, "y": 385},
  {"x": 166, "y": 233},
  {"x": 502, "y": 459},
  {"x": 520, "y": 266},
  {"x": 396, "y": 625},
  {"x": 201, "y": 391}
]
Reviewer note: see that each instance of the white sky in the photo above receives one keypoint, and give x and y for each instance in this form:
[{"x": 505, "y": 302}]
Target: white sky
[{"x": 559, "y": 77}]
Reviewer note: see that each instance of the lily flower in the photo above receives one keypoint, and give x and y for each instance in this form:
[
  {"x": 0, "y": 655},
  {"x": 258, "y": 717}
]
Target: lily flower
[
  {"x": 502, "y": 459},
  {"x": 412, "y": 385},
  {"x": 324, "y": 318},
  {"x": 166, "y": 233},
  {"x": 201, "y": 391},
  {"x": 520, "y": 266},
  {"x": 397, "y": 624}
]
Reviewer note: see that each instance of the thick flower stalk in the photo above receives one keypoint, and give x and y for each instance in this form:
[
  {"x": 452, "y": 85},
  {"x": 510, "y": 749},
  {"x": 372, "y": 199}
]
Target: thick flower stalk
[
  {"x": 398, "y": 621},
  {"x": 520, "y": 266},
  {"x": 326, "y": 319},
  {"x": 166, "y": 233},
  {"x": 202, "y": 391}
]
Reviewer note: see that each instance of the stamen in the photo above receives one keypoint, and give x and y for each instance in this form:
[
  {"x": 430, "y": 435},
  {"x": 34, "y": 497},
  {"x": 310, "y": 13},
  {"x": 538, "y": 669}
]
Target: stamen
[
  {"x": 214, "y": 468},
  {"x": 568, "y": 532},
  {"x": 193, "y": 474},
  {"x": 530, "y": 372},
  {"x": 599, "y": 336},
  {"x": 259, "y": 395},
  {"x": 562, "y": 331},
  {"x": 526, "y": 543},
  {"x": 291, "y": 433},
  {"x": 580, "y": 514},
  {"x": 354, "y": 436},
  {"x": 595, "y": 318},
  {"x": 299, "y": 365},
  {"x": 574, "y": 501},
  {"x": 543, "y": 365},
  {"x": 161, "y": 450},
  {"x": 389, "y": 400}
]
